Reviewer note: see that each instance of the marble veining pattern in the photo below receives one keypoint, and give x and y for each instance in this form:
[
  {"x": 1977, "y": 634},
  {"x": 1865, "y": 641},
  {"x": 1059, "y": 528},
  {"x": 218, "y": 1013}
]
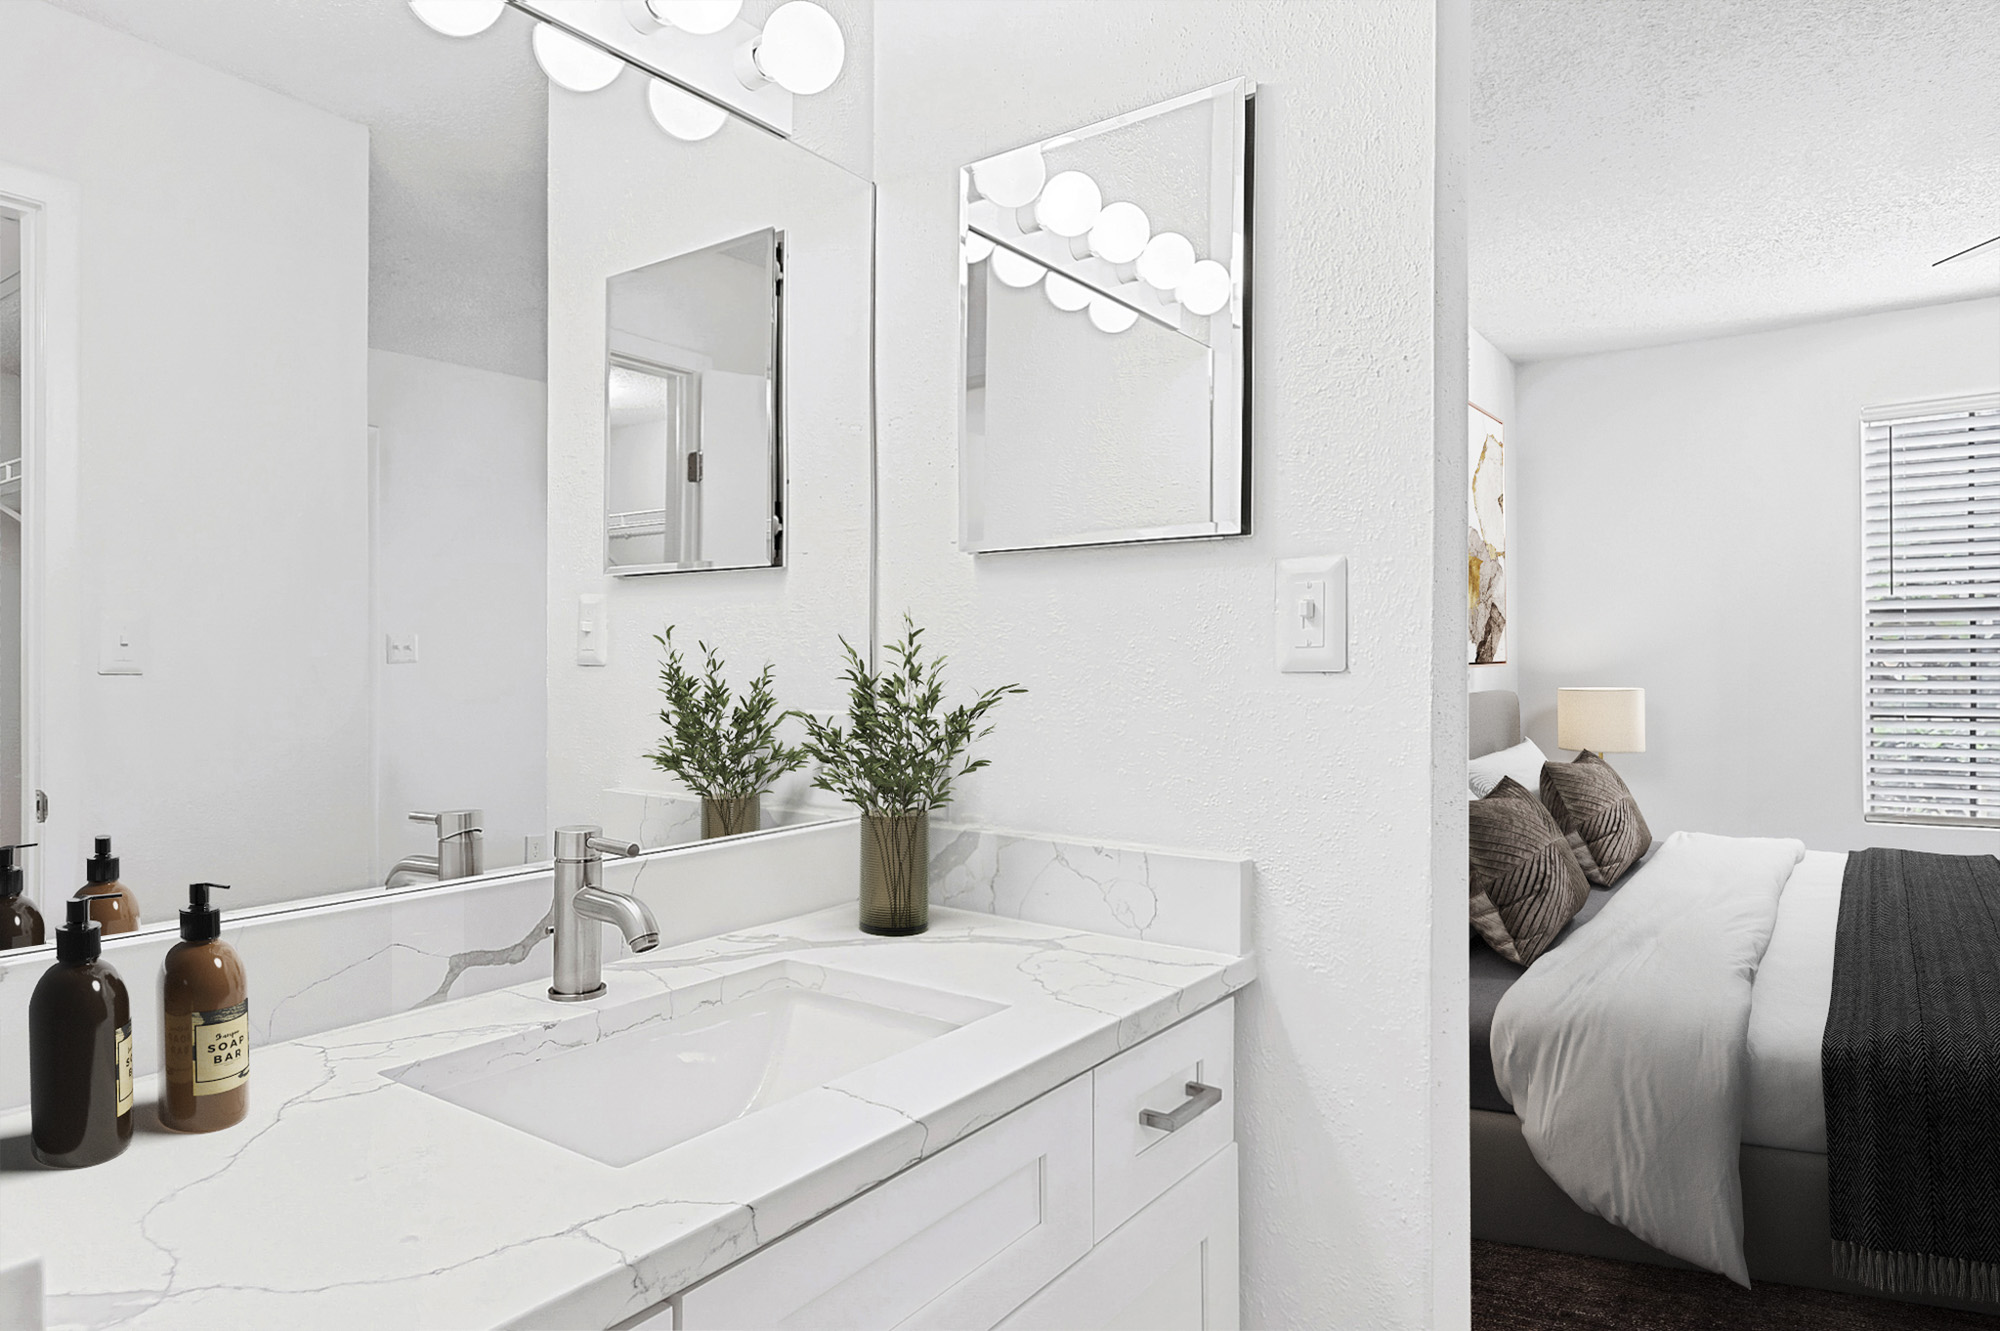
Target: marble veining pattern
[{"x": 388, "y": 1207}]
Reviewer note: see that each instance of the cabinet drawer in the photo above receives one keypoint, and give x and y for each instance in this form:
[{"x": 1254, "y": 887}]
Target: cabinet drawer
[
  {"x": 1136, "y": 1163},
  {"x": 950, "y": 1243},
  {"x": 1172, "y": 1267}
]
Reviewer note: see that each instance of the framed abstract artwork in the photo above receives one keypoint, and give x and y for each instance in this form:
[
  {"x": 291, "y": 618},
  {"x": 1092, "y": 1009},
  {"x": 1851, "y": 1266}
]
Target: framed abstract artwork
[{"x": 1486, "y": 546}]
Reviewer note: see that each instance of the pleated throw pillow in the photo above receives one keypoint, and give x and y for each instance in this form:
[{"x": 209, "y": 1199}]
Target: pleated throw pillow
[
  {"x": 1590, "y": 803},
  {"x": 1525, "y": 882}
]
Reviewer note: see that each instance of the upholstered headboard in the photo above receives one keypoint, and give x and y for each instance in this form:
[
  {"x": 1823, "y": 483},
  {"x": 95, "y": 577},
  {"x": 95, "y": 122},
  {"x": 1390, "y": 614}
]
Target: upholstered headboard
[{"x": 1493, "y": 722}]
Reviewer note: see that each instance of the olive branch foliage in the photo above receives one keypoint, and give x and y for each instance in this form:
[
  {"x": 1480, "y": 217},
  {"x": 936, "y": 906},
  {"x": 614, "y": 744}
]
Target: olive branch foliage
[
  {"x": 719, "y": 745},
  {"x": 901, "y": 750}
]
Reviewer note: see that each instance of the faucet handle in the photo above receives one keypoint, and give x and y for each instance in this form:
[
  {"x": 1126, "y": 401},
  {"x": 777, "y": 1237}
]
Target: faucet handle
[
  {"x": 453, "y": 822},
  {"x": 606, "y": 846},
  {"x": 418, "y": 817}
]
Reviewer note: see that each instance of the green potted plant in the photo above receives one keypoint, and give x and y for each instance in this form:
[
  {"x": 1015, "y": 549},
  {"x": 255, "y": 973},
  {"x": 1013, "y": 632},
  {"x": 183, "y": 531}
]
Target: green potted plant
[
  {"x": 722, "y": 747},
  {"x": 897, "y": 759}
]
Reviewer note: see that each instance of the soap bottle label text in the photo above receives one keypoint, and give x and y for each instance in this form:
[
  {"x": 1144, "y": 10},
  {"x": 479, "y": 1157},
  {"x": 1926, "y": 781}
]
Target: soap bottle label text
[{"x": 221, "y": 1049}]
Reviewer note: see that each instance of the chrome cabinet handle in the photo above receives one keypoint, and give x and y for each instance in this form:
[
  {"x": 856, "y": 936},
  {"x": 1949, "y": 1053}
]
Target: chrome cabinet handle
[{"x": 1200, "y": 1100}]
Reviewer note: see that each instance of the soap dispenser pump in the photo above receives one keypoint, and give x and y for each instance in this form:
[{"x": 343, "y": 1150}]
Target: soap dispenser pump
[
  {"x": 205, "y": 1010},
  {"x": 116, "y": 910},
  {"x": 79, "y": 1051},
  {"x": 20, "y": 922}
]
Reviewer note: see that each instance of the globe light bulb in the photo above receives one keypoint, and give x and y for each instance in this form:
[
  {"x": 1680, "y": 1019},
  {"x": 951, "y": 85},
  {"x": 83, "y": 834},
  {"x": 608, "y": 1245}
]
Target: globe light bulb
[
  {"x": 1120, "y": 233},
  {"x": 700, "y": 17},
  {"x": 1016, "y": 270},
  {"x": 1065, "y": 294},
  {"x": 1111, "y": 317},
  {"x": 975, "y": 246},
  {"x": 682, "y": 114},
  {"x": 1069, "y": 204},
  {"x": 801, "y": 50},
  {"x": 1012, "y": 180},
  {"x": 1165, "y": 262},
  {"x": 573, "y": 64},
  {"x": 458, "y": 18},
  {"x": 1205, "y": 289}
]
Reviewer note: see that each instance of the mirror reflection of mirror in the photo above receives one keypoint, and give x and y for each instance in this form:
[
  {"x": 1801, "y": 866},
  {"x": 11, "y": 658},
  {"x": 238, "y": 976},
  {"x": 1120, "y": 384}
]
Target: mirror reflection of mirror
[
  {"x": 13, "y": 811},
  {"x": 1105, "y": 280},
  {"x": 693, "y": 460}
]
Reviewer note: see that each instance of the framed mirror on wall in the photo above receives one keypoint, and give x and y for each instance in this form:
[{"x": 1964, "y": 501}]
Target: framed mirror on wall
[
  {"x": 1105, "y": 331},
  {"x": 694, "y": 470}
]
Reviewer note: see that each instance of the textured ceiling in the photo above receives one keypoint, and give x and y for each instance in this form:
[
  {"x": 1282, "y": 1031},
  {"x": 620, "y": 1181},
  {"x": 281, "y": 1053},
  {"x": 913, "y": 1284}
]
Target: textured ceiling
[
  {"x": 458, "y": 154},
  {"x": 1650, "y": 171}
]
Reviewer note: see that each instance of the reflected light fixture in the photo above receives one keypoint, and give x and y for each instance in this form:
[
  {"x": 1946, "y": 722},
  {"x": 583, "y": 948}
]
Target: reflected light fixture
[
  {"x": 976, "y": 247},
  {"x": 682, "y": 114},
  {"x": 1066, "y": 294},
  {"x": 1069, "y": 204},
  {"x": 1165, "y": 262},
  {"x": 1205, "y": 289},
  {"x": 699, "y": 17},
  {"x": 458, "y": 18},
  {"x": 1012, "y": 180},
  {"x": 1111, "y": 317},
  {"x": 1016, "y": 270},
  {"x": 801, "y": 50},
  {"x": 1120, "y": 233},
  {"x": 573, "y": 64}
]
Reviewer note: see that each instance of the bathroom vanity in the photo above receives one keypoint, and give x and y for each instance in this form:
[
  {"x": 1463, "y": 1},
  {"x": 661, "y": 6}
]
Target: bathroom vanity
[{"x": 787, "y": 1125}]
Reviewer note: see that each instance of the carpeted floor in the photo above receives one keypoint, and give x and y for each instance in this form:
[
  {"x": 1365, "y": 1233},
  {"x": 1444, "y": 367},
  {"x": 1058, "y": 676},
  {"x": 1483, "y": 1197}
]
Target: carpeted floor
[{"x": 1527, "y": 1289}]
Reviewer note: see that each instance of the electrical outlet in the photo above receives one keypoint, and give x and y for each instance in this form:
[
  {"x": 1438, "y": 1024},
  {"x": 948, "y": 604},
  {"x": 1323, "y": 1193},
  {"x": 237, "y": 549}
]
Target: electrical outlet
[
  {"x": 402, "y": 649},
  {"x": 534, "y": 849}
]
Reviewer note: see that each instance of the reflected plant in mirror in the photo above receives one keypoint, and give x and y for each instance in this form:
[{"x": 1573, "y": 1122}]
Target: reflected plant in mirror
[
  {"x": 722, "y": 747},
  {"x": 693, "y": 463},
  {"x": 900, "y": 756},
  {"x": 1105, "y": 284}
]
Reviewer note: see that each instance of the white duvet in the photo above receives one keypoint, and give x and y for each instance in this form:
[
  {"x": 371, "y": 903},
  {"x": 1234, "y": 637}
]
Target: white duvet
[{"x": 1625, "y": 1051}]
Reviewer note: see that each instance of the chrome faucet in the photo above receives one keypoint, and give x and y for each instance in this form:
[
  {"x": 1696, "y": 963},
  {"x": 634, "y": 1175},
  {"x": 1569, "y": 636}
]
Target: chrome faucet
[
  {"x": 461, "y": 848},
  {"x": 582, "y": 904}
]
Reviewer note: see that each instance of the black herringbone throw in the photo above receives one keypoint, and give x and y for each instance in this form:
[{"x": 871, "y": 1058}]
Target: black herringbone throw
[{"x": 1911, "y": 1068}]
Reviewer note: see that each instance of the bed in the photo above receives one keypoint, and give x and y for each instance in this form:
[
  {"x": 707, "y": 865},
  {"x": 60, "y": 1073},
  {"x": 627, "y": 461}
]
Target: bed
[{"x": 1783, "y": 1152}]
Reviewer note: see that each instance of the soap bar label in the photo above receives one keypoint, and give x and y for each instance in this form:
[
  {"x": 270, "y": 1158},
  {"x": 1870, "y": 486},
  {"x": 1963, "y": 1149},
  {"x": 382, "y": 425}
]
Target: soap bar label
[
  {"x": 122, "y": 1046},
  {"x": 221, "y": 1049}
]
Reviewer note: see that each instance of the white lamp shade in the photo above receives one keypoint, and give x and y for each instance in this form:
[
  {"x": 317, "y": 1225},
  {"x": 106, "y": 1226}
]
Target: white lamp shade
[
  {"x": 1012, "y": 180},
  {"x": 1120, "y": 232},
  {"x": 1016, "y": 270},
  {"x": 976, "y": 246},
  {"x": 1066, "y": 294},
  {"x": 458, "y": 18},
  {"x": 1069, "y": 204},
  {"x": 573, "y": 64},
  {"x": 682, "y": 114},
  {"x": 1601, "y": 720},
  {"x": 1205, "y": 289},
  {"x": 1165, "y": 262},
  {"x": 801, "y": 49},
  {"x": 1111, "y": 317},
  {"x": 699, "y": 17}
]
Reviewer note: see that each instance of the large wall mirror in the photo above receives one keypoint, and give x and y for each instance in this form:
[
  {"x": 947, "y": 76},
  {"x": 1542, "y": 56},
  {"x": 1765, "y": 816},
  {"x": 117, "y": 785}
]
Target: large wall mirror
[
  {"x": 694, "y": 474},
  {"x": 290, "y": 588},
  {"x": 1105, "y": 335}
]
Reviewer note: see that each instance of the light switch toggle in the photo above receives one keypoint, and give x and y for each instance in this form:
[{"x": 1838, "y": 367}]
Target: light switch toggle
[
  {"x": 1311, "y": 598},
  {"x": 593, "y": 646}
]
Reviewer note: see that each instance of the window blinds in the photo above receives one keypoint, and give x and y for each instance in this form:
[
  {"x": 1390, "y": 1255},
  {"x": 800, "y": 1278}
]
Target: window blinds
[{"x": 1931, "y": 609}]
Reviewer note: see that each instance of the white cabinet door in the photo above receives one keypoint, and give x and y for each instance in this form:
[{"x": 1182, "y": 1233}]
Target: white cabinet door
[
  {"x": 1172, "y": 1267},
  {"x": 1135, "y": 1162},
  {"x": 953, "y": 1242}
]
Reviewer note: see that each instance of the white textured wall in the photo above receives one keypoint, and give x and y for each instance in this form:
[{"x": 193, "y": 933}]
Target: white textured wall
[
  {"x": 223, "y": 469},
  {"x": 460, "y": 561},
  {"x": 1156, "y": 714},
  {"x": 1690, "y": 517},
  {"x": 622, "y": 195},
  {"x": 1492, "y": 380}
]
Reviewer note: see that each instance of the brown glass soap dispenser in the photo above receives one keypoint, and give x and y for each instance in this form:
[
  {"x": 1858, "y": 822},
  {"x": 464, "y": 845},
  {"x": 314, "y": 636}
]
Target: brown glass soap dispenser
[
  {"x": 20, "y": 922},
  {"x": 205, "y": 1008},
  {"x": 113, "y": 906},
  {"x": 79, "y": 1051}
]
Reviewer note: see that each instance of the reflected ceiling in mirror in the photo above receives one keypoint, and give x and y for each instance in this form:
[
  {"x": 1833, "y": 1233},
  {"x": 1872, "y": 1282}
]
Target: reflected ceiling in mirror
[{"x": 1105, "y": 280}]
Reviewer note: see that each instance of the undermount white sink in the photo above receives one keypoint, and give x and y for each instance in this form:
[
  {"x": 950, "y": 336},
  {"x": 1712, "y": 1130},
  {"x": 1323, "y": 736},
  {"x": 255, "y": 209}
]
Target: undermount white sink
[{"x": 622, "y": 1083}]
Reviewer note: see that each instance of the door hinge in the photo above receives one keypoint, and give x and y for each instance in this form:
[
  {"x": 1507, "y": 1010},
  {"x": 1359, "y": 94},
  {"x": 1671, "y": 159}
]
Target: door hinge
[
  {"x": 694, "y": 466},
  {"x": 41, "y": 806}
]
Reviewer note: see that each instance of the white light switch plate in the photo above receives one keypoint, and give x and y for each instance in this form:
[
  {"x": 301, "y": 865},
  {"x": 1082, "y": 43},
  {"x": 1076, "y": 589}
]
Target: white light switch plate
[
  {"x": 121, "y": 646},
  {"x": 593, "y": 634},
  {"x": 401, "y": 649},
  {"x": 1311, "y": 608}
]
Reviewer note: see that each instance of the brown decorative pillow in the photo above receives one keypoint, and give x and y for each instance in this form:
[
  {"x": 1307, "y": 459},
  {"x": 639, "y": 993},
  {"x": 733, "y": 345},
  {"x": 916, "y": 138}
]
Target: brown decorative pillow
[
  {"x": 1591, "y": 805},
  {"x": 1525, "y": 883}
]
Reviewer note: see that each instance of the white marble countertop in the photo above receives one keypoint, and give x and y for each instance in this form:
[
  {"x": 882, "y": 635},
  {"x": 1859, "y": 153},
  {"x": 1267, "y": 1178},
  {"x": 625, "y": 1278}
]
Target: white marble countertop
[{"x": 348, "y": 1199}]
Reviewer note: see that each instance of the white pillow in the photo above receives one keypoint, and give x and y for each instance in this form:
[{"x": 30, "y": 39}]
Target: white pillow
[{"x": 1523, "y": 762}]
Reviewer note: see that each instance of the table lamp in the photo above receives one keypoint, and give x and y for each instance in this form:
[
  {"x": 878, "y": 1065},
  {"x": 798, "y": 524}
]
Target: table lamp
[{"x": 1601, "y": 720}]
